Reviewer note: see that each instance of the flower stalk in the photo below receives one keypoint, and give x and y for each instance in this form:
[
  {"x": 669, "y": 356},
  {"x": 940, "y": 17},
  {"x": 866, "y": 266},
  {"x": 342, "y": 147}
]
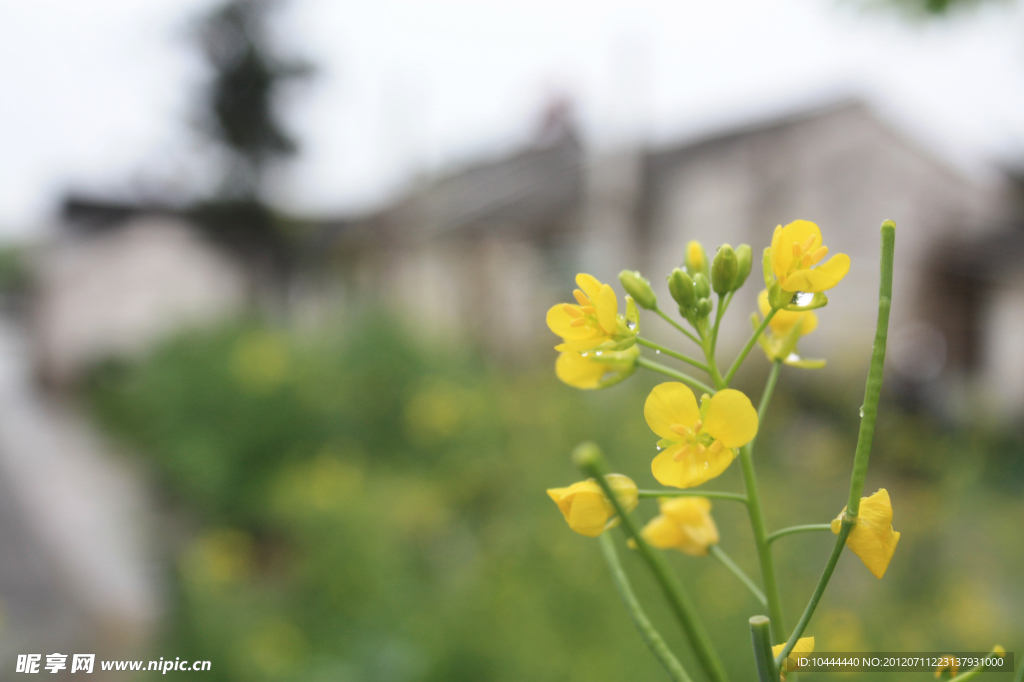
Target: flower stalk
[
  {"x": 760, "y": 635},
  {"x": 589, "y": 459},
  {"x": 655, "y": 642}
]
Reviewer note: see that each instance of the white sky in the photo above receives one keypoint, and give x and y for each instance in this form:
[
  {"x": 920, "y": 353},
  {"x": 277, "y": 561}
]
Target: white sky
[{"x": 95, "y": 95}]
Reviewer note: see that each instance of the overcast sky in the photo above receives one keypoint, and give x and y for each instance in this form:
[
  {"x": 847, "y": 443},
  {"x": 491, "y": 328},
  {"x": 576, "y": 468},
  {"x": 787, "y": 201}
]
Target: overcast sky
[{"x": 95, "y": 95}]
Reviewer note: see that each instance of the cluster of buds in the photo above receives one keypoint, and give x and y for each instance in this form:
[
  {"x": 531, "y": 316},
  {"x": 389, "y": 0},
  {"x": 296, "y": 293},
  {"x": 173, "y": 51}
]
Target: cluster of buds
[{"x": 691, "y": 285}]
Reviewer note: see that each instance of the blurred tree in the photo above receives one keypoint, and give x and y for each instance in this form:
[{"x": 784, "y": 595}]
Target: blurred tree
[
  {"x": 240, "y": 102},
  {"x": 929, "y": 8},
  {"x": 240, "y": 115}
]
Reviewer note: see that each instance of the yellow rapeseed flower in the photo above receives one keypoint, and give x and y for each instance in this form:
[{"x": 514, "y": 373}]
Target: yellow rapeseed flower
[
  {"x": 596, "y": 369},
  {"x": 804, "y": 645},
  {"x": 784, "y": 331},
  {"x": 950, "y": 663},
  {"x": 586, "y": 508},
  {"x": 699, "y": 441},
  {"x": 685, "y": 524},
  {"x": 872, "y": 538},
  {"x": 795, "y": 249},
  {"x": 594, "y": 322}
]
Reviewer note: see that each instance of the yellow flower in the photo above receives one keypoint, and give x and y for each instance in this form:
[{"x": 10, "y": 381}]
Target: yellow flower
[
  {"x": 596, "y": 369},
  {"x": 685, "y": 524},
  {"x": 872, "y": 538},
  {"x": 804, "y": 645},
  {"x": 795, "y": 249},
  {"x": 595, "y": 322},
  {"x": 698, "y": 442},
  {"x": 586, "y": 508},
  {"x": 784, "y": 331}
]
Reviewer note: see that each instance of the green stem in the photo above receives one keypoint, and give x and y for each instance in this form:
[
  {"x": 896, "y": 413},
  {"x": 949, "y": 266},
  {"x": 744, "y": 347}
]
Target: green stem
[
  {"x": 739, "y": 497},
  {"x": 675, "y": 324},
  {"x": 980, "y": 668},
  {"x": 719, "y": 553},
  {"x": 818, "y": 591},
  {"x": 760, "y": 635},
  {"x": 757, "y": 523},
  {"x": 678, "y": 376},
  {"x": 867, "y": 428},
  {"x": 723, "y": 305},
  {"x": 671, "y": 353},
  {"x": 746, "y": 349},
  {"x": 869, "y": 411},
  {"x": 792, "y": 530},
  {"x": 655, "y": 642},
  {"x": 589, "y": 459}
]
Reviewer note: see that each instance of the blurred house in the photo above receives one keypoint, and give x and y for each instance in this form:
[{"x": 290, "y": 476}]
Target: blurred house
[{"x": 485, "y": 250}]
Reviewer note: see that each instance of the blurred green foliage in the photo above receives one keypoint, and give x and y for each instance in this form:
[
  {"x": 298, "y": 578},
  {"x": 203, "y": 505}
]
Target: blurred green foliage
[{"x": 354, "y": 507}]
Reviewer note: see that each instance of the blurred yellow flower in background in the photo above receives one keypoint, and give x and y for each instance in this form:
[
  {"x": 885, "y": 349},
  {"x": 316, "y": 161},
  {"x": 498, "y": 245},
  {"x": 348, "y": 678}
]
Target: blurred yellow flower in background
[
  {"x": 795, "y": 249},
  {"x": 685, "y": 524},
  {"x": 872, "y": 538},
  {"x": 779, "y": 341},
  {"x": 698, "y": 442},
  {"x": 586, "y": 508},
  {"x": 596, "y": 369},
  {"x": 595, "y": 321}
]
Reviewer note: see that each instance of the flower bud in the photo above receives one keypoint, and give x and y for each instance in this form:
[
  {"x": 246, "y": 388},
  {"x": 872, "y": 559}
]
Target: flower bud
[
  {"x": 680, "y": 285},
  {"x": 723, "y": 270},
  {"x": 703, "y": 307},
  {"x": 701, "y": 286},
  {"x": 744, "y": 262},
  {"x": 639, "y": 288},
  {"x": 696, "y": 259}
]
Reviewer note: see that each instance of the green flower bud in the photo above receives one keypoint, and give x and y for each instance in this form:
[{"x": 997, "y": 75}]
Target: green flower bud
[
  {"x": 696, "y": 259},
  {"x": 723, "y": 270},
  {"x": 703, "y": 307},
  {"x": 701, "y": 286},
  {"x": 744, "y": 262},
  {"x": 639, "y": 288},
  {"x": 680, "y": 285}
]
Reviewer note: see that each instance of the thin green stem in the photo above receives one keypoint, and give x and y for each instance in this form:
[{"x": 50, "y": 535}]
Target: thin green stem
[
  {"x": 757, "y": 523},
  {"x": 869, "y": 410},
  {"x": 678, "y": 376},
  {"x": 739, "y": 497},
  {"x": 826, "y": 575},
  {"x": 721, "y": 308},
  {"x": 675, "y": 324},
  {"x": 590, "y": 460},
  {"x": 980, "y": 668},
  {"x": 792, "y": 530},
  {"x": 867, "y": 429},
  {"x": 671, "y": 353},
  {"x": 760, "y": 635},
  {"x": 719, "y": 553},
  {"x": 655, "y": 642},
  {"x": 746, "y": 349}
]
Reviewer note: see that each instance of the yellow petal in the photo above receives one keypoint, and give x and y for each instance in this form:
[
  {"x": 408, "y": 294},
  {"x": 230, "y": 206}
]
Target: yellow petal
[
  {"x": 731, "y": 418},
  {"x": 607, "y": 308},
  {"x": 804, "y": 645},
  {"x": 692, "y": 516},
  {"x": 779, "y": 264},
  {"x": 589, "y": 513},
  {"x": 581, "y": 345},
  {"x": 625, "y": 490},
  {"x": 873, "y": 538},
  {"x": 662, "y": 532},
  {"x": 692, "y": 469},
  {"x": 589, "y": 284},
  {"x": 578, "y": 371},
  {"x": 670, "y": 403},
  {"x": 821, "y": 278},
  {"x": 559, "y": 321}
]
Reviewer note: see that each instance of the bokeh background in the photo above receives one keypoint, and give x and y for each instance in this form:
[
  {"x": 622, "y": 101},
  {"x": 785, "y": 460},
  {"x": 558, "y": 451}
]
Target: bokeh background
[{"x": 275, "y": 385}]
